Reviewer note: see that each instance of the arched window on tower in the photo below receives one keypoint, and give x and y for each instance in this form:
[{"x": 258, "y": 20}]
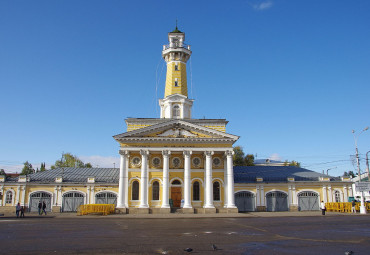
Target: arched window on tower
[
  {"x": 135, "y": 190},
  {"x": 155, "y": 190},
  {"x": 176, "y": 111},
  {"x": 196, "y": 193},
  {"x": 216, "y": 191}
]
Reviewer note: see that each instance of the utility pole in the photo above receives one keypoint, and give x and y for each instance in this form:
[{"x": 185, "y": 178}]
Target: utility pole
[{"x": 362, "y": 207}]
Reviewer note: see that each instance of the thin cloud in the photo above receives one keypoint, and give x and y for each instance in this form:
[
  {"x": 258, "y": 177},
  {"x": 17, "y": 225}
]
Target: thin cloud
[
  {"x": 261, "y": 6},
  {"x": 101, "y": 161}
]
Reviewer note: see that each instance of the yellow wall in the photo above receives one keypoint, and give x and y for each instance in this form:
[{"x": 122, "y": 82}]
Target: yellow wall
[{"x": 180, "y": 75}]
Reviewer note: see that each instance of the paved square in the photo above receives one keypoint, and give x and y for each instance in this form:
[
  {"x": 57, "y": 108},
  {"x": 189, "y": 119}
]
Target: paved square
[{"x": 253, "y": 235}]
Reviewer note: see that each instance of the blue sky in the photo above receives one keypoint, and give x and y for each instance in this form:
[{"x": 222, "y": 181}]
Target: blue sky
[{"x": 292, "y": 77}]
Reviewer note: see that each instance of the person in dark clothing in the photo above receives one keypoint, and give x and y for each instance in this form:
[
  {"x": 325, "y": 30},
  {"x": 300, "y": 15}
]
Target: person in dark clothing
[
  {"x": 22, "y": 212},
  {"x": 40, "y": 207},
  {"x": 323, "y": 208},
  {"x": 43, "y": 207},
  {"x": 17, "y": 209},
  {"x": 353, "y": 206}
]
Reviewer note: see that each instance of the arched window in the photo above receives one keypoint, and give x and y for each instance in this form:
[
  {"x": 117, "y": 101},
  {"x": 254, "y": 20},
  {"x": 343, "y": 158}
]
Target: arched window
[
  {"x": 337, "y": 196},
  {"x": 135, "y": 190},
  {"x": 176, "y": 182},
  {"x": 9, "y": 197},
  {"x": 155, "y": 190},
  {"x": 216, "y": 191},
  {"x": 196, "y": 193},
  {"x": 176, "y": 111}
]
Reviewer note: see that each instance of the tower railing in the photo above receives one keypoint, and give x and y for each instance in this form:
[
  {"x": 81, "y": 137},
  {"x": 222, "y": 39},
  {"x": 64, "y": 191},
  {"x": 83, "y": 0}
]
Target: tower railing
[{"x": 176, "y": 45}]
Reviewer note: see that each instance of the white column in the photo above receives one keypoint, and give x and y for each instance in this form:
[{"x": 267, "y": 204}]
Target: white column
[
  {"x": 18, "y": 195},
  {"x": 208, "y": 203},
  {"x": 165, "y": 180},
  {"x": 144, "y": 179},
  {"x": 258, "y": 196},
  {"x": 324, "y": 197},
  {"x": 230, "y": 180},
  {"x": 187, "y": 179},
  {"x": 262, "y": 191},
  {"x": 225, "y": 182},
  {"x": 123, "y": 181},
  {"x": 345, "y": 194}
]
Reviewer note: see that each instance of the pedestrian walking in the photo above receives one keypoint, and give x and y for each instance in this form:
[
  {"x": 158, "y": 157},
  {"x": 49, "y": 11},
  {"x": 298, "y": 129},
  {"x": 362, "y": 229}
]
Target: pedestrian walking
[
  {"x": 17, "y": 209},
  {"x": 22, "y": 212},
  {"x": 353, "y": 206},
  {"x": 40, "y": 207},
  {"x": 44, "y": 207},
  {"x": 323, "y": 208}
]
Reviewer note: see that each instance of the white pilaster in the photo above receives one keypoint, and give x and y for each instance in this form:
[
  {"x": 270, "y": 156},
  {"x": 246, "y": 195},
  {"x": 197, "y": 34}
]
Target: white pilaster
[
  {"x": 187, "y": 177},
  {"x": 18, "y": 195},
  {"x": 55, "y": 198},
  {"x": 92, "y": 194},
  {"x": 330, "y": 194},
  {"x": 165, "y": 192},
  {"x": 294, "y": 194},
  {"x": 144, "y": 179},
  {"x": 290, "y": 198},
  {"x": 208, "y": 203},
  {"x": 262, "y": 191},
  {"x": 230, "y": 180},
  {"x": 122, "y": 199},
  {"x": 258, "y": 195},
  {"x": 23, "y": 195},
  {"x": 324, "y": 196},
  {"x": 88, "y": 195},
  {"x": 59, "y": 200}
]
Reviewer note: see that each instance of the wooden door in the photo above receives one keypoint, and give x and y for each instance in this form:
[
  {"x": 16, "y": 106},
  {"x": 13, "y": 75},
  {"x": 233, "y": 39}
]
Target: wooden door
[{"x": 176, "y": 196}]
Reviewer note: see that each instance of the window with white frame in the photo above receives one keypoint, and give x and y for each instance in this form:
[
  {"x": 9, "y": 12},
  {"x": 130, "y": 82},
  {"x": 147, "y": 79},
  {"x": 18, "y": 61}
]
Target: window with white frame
[
  {"x": 135, "y": 190},
  {"x": 9, "y": 197},
  {"x": 216, "y": 191},
  {"x": 196, "y": 191},
  {"x": 176, "y": 111},
  {"x": 155, "y": 190},
  {"x": 337, "y": 196},
  {"x": 176, "y": 82}
]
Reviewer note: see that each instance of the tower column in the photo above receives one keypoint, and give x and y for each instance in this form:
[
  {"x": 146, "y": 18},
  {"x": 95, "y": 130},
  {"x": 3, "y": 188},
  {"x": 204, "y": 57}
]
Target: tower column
[
  {"x": 187, "y": 180},
  {"x": 165, "y": 181},
  {"x": 144, "y": 179},
  {"x": 230, "y": 180},
  {"x": 122, "y": 200},
  {"x": 208, "y": 198},
  {"x": 225, "y": 182}
]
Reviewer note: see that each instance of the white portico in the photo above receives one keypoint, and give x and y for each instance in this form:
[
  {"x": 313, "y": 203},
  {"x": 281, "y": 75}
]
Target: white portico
[{"x": 188, "y": 151}]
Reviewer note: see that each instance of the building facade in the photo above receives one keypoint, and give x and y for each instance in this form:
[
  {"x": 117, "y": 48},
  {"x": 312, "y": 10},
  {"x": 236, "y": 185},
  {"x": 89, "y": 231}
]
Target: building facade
[{"x": 175, "y": 161}]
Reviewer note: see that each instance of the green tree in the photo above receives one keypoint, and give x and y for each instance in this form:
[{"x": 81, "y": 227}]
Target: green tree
[
  {"x": 249, "y": 160},
  {"x": 42, "y": 167},
  {"x": 352, "y": 174},
  {"x": 292, "y": 163},
  {"x": 238, "y": 157},
  {"x": 27, "y": 168},
  {"x": 2, "y": 172},
  {"x": 69, "y": 160}
]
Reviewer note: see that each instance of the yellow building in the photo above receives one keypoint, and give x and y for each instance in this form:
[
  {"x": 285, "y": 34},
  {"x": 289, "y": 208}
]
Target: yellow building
[{"x": 178, "y": 162}]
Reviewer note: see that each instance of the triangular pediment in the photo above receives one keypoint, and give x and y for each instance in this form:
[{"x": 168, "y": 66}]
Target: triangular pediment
[{"x": 179, "y": 129}]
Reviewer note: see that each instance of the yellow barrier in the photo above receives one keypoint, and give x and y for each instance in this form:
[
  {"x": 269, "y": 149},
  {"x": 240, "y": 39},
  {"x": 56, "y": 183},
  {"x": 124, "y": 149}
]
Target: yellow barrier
[
  {"x": 344, "y": 207},
  {"x": 105, "y": 209}
]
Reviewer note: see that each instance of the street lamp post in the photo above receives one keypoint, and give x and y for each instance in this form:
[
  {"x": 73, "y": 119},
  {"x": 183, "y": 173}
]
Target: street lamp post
[
  {"x": 367, "y": 166},
  {"x": 362, "y": 207}
]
